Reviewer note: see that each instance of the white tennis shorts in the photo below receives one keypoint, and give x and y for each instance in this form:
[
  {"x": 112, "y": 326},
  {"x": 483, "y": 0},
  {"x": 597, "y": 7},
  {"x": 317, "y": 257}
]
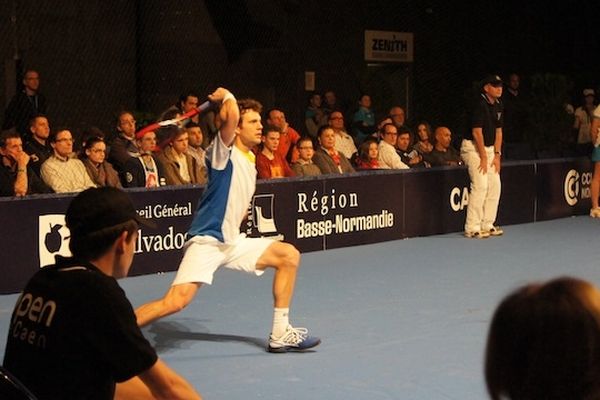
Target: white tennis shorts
[{"x": 203, "y": 255}]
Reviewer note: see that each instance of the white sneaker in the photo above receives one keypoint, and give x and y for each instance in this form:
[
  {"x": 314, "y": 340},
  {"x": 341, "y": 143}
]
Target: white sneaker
[{"x": 293, "y": 339}]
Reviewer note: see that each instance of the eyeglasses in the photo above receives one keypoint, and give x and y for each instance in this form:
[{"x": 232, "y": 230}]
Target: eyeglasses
[{"x": 98, "y": 151}]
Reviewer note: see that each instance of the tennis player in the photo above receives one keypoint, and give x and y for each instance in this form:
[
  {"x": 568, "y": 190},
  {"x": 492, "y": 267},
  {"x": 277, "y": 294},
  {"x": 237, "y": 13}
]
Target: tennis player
[{"x": 214, "y": 238}]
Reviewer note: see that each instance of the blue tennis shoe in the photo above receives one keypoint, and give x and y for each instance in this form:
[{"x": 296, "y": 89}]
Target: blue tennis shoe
[{"x": 293, "y": 339}]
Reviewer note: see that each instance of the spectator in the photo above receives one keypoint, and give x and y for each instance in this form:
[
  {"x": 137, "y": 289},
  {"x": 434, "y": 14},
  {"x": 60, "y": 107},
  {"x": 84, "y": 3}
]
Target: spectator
[
  {"x": 187, "y": 102},
  {"x": 443, "y": 153},
  {"x": 288, "y": 137},
  {"x": 179, "y": 167},
  {"x": 330, "y": 103},
  {"x": 388, "y": 157},
  {"x": 344, "y": 143},
  {"x": 595, "y": 184},
  {"x": 62, "y": 172},
  {"x": 25, "y": 105},
  {"x": 408, "y": 155},
  {"x": 305, "y": 166},
  {"x": 144, "y": 170},
  {"x": 363, "y": 120},
  {"x": 583, "y": 122},
  {"x": 205, "y": 120},
  {"x": 93, "y": 156},
  {"x": 327, "y": 158},
  {"x": 368, "y": 157},
  {"x": 123, "y": 147},
  {"x": 92, "y": 346},
  {"x": 424, "y": 135},
  {"x": 195, "y": 140},
  {"x": 397, "y": 116},
  {"x": 544, "y": 343},
  {"x": 37, "y": 147},
  {"x": 17, "y": 178},
  {"x": 314, "y": 117},
  {"x": 481, "y": 153},
  {"x": 269, "y": 163}
]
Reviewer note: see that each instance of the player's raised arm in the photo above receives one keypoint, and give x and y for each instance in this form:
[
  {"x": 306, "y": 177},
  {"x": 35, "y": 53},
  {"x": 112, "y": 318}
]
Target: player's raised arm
[{"x": 229, "y": 113}]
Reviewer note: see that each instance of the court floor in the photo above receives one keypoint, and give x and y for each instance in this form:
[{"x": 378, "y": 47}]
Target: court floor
[{"x": 403, "y": 319}]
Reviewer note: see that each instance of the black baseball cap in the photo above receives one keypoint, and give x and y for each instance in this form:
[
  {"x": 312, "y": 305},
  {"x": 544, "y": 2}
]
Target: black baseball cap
[
  {"x": 493, "y": 80},
  {"x": 96, "y": 209}
]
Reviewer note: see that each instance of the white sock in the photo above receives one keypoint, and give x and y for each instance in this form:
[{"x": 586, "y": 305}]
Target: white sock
[{"x": 281, "y": 321}]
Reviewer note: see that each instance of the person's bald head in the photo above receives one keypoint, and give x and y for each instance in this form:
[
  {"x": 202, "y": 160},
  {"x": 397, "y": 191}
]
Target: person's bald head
[{"x": 443, "y": 138}]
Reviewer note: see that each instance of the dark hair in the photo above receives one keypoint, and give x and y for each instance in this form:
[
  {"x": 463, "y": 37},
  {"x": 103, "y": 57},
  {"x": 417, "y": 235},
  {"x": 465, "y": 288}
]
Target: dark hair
[
  {"x": 270, "y": 128},
  {"x": 121, "y": 113},
  {"x": 322, "y": 129},
  {"x": 35, "y": 117},
  {"x": 170, "y": 114},
  {"x": 246, "y": 105},
  {"x": 55, "y": 132},
  {"x": 363, "y": 150},
  {"x": 544, "y": 343},
  {"x": 406, "y": 131},
  {"x": 8, "y": 134},
  {"x": 92, "y": 246},
  {"x": 192, "y": 124},
  {"x": 428, "y": 128},
  {"x": 187, "y": 94},
  {"x": 88, "y": 144},
  {"x": 89, "y": 133},
  {"x": 305, "y": 139},
  {"x": 382, "y": 129}
]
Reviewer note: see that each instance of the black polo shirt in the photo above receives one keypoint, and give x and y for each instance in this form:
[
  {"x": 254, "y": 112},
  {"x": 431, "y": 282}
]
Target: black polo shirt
[
  {"x": 487, "y": 116},
  {"x": 73, "y": 334},
  {"x": 38, "y": 153}
]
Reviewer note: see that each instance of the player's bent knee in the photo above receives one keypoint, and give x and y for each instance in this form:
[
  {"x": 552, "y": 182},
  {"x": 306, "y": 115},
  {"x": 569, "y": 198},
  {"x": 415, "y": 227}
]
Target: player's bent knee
[{"x": 292, "y": 256}]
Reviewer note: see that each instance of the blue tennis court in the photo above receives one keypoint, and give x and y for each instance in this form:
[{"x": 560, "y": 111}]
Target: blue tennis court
[{"x": 403, "y": 319}]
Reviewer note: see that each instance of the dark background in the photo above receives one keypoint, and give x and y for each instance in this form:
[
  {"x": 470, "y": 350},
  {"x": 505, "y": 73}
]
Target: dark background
[{"x": 98, "y": 56}]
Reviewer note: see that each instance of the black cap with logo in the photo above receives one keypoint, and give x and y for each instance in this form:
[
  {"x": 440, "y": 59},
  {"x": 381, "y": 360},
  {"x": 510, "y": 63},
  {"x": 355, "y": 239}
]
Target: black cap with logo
[{"x": 96, "y": 209}]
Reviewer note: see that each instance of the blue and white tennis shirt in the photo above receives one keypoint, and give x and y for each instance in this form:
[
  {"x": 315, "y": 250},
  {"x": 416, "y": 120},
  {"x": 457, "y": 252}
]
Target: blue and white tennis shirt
[{"x": 231, "y": 185}]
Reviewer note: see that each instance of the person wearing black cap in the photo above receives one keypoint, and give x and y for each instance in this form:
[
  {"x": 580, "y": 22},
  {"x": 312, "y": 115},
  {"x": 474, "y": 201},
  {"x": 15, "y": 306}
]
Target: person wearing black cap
[
  {"x": 73, "y": 333},
  {"x": 481, "y": 150}
]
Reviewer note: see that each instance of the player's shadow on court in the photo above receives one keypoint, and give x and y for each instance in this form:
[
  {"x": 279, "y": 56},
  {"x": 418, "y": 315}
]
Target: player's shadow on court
[{"x": 173, "y": 335}]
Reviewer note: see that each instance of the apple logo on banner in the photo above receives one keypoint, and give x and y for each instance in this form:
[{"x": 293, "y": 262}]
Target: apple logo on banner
[{"x": 53, "y": 238}]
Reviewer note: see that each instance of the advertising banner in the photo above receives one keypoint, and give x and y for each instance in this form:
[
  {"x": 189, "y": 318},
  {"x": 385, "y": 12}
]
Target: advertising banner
[
  {"x": 435, "y": 201},
  {"x": 314, "y": 213},
  {"x": 563, "y": 188},
  {"x": 518, "y": 197},
  {"x": 362, "y": 209}
]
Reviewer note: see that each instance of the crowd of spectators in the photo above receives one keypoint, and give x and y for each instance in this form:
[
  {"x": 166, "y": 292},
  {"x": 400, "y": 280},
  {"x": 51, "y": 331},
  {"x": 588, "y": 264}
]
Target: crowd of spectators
[{"x": 334, "y": 140}]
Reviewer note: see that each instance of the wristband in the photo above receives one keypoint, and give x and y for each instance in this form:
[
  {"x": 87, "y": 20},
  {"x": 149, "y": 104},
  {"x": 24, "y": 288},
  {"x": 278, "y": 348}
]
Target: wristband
[
  {"x": 228, "y": 96},
  {"x": 20, "y": 170}
]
